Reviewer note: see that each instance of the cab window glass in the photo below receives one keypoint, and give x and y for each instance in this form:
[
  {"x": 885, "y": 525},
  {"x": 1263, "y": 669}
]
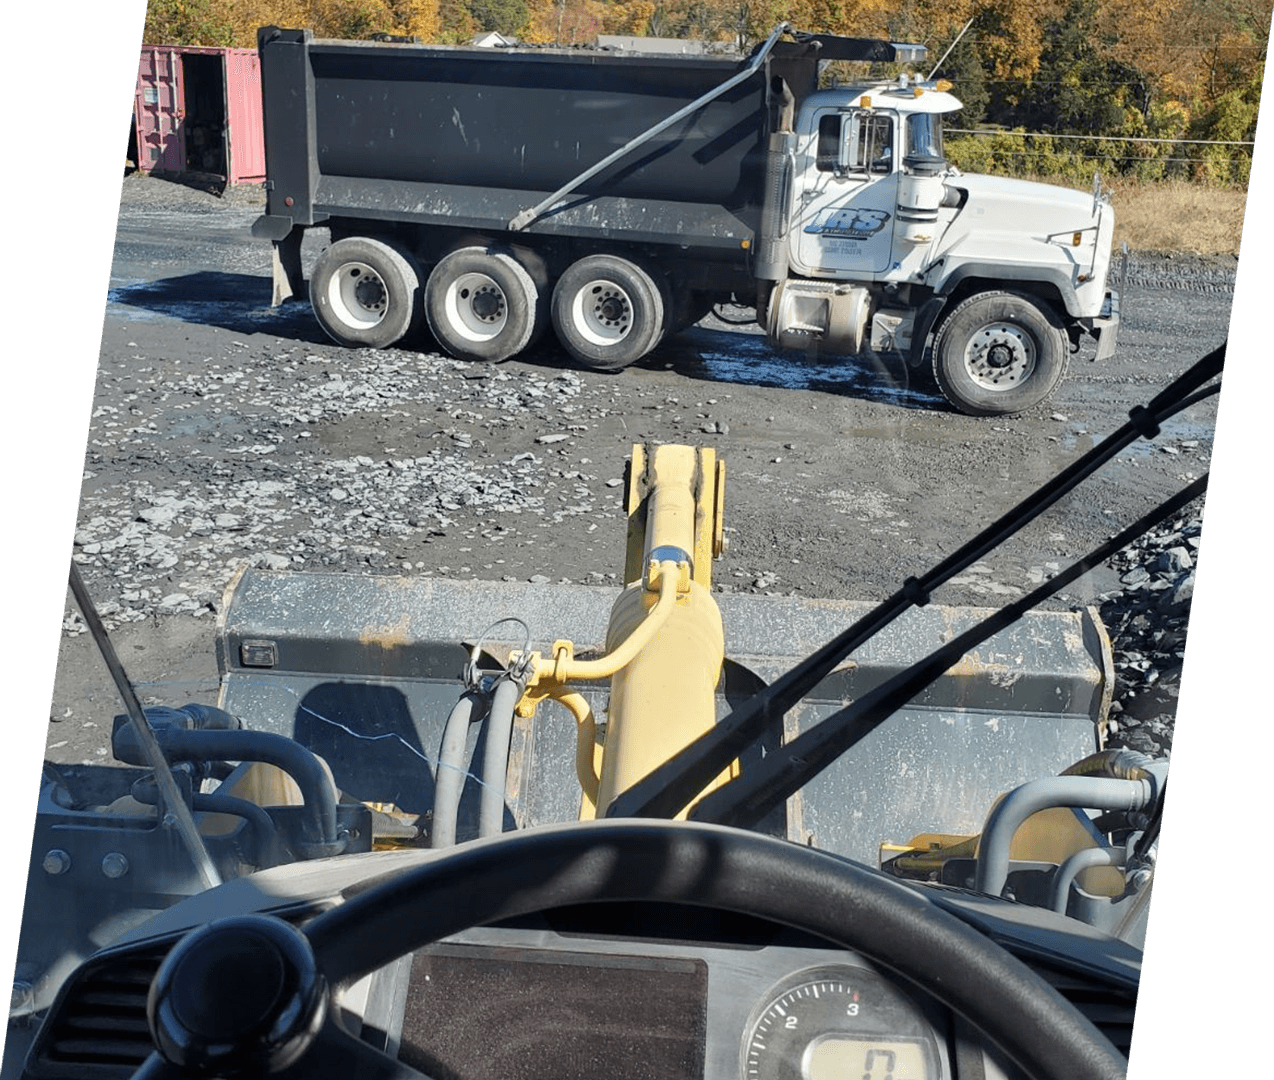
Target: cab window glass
[
  {"x": 873, "y": 151},
  {"x": 827, "y": 154}
]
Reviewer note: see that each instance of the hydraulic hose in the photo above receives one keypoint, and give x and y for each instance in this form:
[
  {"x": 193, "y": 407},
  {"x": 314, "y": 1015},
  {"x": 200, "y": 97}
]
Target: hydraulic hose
[
  {"x": 561, "y": 669},
  {"x": 495, "y": 758},
  {"x": 261, "y": 823},
  {"x": 295, "y": 760},
  {"x": 1074, "y": 866},
  {"x": 1119, "y": 764},
  {"x": 586, "y": 765},
  {"x": 210, "y": 718},
  {"x": 1090, "y": 792},
  {"x": 449, "y": 777}
]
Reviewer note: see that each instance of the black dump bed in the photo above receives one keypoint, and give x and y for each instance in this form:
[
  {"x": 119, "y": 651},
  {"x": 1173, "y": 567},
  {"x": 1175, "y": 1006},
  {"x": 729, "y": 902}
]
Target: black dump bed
[{"x": 471, "y": 137}]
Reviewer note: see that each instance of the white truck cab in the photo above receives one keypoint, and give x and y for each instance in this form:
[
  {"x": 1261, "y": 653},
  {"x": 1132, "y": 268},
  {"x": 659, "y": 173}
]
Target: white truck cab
[{"x": 887, "y": 242}]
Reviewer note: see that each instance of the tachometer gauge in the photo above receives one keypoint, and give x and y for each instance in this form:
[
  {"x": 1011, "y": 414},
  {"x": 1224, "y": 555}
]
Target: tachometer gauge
[{"x": 841, "y": 1023}]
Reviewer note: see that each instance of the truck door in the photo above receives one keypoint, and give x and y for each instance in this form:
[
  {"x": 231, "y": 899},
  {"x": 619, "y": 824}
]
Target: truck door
[{"x": 843, "y": 219}]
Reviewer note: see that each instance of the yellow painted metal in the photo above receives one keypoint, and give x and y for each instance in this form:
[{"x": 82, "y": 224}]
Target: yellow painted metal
[
  {"x": 675, "y": 497},
  {"x": 588, "y": 756},
  {"x": 634, "y": 507},
  {"x": 669, "y": 579},
  {"x": 665, "y": 698},
  {"x": 1049, "y": 836},
  {"x": 665, "y": 644},
  {"x": 671, "y": 506}
]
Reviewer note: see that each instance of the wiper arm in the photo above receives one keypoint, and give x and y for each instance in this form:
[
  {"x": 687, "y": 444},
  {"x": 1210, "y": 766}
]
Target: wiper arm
[
  {"x": 746, "y": 799},
  {"x": 174, "y": 806},
  {"x": 667, "y": 790}
]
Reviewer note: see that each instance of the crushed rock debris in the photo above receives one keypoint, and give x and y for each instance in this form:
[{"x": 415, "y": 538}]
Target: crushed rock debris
[{"x": 1146, "y": 620}]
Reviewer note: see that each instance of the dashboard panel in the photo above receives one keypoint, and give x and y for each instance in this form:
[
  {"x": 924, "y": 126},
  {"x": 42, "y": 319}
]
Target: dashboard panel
[
  {"x": 549, "y": 1001},
  {"x": 623, "y": 991}
]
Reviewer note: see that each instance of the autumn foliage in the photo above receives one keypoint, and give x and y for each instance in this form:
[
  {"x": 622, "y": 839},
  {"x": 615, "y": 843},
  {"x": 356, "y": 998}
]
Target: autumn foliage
[{"x": 1135, "y": 78}]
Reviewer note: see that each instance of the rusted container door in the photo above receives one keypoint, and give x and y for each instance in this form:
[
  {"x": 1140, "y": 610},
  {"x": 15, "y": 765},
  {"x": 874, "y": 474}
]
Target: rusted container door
[
  {"x": 159, "y": 109},
  {"x": 243, "y": 110}
]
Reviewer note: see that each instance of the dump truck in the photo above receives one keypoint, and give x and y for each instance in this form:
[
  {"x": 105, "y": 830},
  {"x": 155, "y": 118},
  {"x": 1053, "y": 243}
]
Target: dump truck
[
  {"x": 619, "y": 197},
  {"x": 477, "y": 829}
]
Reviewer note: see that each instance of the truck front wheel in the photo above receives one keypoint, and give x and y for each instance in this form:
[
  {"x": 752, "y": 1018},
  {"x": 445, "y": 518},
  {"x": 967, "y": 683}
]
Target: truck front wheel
[
  {"x": 481, "y": 305},
  {"x": 998, "y": 353},
  {"x": 365, "y": 293},
  {"x": 608, "y": 312}
]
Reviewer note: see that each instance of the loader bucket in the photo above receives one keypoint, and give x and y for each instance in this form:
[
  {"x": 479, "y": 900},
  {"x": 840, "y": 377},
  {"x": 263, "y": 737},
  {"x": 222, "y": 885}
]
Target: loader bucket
[{"x": 364, "y": 671}]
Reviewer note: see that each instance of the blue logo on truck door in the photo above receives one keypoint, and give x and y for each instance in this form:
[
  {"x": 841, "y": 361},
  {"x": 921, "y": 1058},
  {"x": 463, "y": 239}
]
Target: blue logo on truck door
[{"x": 848, "y": 223}]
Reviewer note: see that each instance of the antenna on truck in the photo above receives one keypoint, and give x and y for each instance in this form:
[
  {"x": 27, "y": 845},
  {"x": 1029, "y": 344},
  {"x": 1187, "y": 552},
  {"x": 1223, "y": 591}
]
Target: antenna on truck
[{"x": 950, "y": 47}]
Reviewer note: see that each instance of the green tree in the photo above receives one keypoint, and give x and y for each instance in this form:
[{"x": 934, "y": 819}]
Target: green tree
[
  {"x": 354, "y": 19},
  {"x": 1079, "y": 87},
  {"x": 456, "y": 22},
  {"x": 1231, "y": 119},
  {"x": 503, "y": 16},
  {"x": 188, "y": 22},
  {"x": 963, "y": 68}
]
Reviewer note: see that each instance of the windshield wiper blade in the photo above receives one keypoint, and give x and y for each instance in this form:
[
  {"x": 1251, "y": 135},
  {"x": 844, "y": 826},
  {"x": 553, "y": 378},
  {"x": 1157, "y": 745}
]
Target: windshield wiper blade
[
  {"x": 174, "y": 806},
  {"x": 672, "y": 786},
  {"x": 746, "y": 799}
]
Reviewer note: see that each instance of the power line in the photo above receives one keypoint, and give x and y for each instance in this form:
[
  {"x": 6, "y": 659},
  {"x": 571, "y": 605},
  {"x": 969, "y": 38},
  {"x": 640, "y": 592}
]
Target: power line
[
  {"x": 1120, "y": 160},
  {"x": 1244, "y": 46},
  {"x": 1102, "y": 138}
]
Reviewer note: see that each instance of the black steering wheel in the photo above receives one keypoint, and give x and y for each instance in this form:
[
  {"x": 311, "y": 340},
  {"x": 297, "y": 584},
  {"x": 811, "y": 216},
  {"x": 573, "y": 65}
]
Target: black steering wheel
[{"x": 251, "y": 995}]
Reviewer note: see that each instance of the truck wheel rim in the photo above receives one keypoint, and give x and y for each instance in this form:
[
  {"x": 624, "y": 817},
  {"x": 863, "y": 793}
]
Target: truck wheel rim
[
  {"x": 357, "y": 296},
  {"x": 1000, "y": 356},
  {"x": 476, "y": 307},
  {"x": 602, "y": 313}
]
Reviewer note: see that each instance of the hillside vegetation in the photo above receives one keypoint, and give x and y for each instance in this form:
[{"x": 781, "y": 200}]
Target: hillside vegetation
[
  {"x": 1159, "y": 97},
  {"x": 1151, "y": 90}
]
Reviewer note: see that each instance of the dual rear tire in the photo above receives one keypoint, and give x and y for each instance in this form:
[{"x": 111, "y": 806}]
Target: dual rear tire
[
  {"x": 608, "y": 312},
  {"x": 366, "y": 292},
  {"x": 483, "y": 304}
]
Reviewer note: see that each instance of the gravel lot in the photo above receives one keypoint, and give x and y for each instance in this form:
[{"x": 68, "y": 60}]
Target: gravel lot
[{"x": 224, "y": 432}]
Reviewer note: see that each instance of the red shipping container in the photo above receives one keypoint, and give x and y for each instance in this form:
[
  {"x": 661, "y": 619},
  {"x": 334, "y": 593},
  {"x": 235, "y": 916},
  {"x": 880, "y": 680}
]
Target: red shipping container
[{"x": 198, "y": 111}]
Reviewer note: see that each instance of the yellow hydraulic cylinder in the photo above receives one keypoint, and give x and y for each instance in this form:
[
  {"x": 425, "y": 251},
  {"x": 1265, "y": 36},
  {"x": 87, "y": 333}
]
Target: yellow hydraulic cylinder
[{"x": 665, "y": 697}]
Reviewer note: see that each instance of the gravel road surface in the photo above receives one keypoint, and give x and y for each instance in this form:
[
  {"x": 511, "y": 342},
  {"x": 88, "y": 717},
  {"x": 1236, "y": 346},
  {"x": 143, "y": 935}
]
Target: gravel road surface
[{"x": 225, "y": 432}]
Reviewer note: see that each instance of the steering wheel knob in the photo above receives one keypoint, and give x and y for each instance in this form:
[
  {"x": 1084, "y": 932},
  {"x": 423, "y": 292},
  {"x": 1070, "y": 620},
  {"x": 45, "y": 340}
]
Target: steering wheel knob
[{"x": 239, "y": 995}]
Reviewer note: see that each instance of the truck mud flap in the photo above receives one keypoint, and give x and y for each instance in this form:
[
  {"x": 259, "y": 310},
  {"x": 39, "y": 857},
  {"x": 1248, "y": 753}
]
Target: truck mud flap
[
  {"x": 364, "y": 671},
  {"x": 1106, "y": 325}
]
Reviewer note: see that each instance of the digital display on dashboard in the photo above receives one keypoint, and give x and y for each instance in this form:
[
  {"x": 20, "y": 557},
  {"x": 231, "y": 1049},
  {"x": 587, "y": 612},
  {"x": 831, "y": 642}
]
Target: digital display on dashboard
[{"x": 485, "y": 1013}]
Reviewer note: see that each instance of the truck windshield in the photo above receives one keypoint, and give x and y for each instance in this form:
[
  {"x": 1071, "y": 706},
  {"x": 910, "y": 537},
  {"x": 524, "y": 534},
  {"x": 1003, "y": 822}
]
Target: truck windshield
[{"x": 924, "y": 135}]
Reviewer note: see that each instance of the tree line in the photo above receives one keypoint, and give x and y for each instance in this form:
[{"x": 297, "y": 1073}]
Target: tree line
[{"x": 1145, "y": 88}]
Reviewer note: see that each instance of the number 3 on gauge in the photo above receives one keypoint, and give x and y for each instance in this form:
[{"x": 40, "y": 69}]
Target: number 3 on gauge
[{"x": 840, "y": 1023}]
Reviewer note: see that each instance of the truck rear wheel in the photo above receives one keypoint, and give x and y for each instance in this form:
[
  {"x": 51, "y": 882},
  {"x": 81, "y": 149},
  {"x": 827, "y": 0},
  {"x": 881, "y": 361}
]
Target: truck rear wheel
[
  {"x": 365, "y": 293},
  {"x": 608, "y": 312},
  {"x": 998, "y": 353},
  {"x": 482, "y": 305}
]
